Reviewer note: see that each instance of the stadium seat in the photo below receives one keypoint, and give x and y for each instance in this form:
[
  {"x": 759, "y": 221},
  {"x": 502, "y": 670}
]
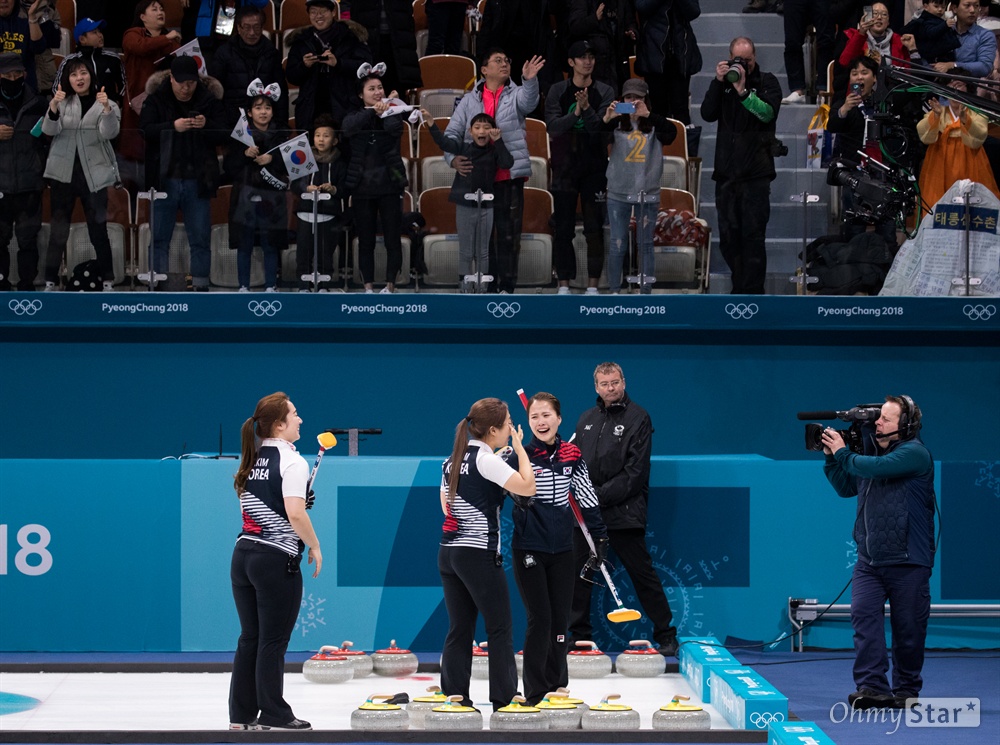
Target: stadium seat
[
  {"x": 538, "y": 151},
  {"x": 441, "y": 241},
  {"x": 535, "y": 262},
  {"x": 447, "y": 71},
  {"x": 682, "y": 267}
]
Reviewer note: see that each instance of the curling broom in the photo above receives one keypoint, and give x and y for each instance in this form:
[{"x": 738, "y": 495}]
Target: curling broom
[
  {"x": 621, "y": 614},
  {"x": 326, "y": 441}
]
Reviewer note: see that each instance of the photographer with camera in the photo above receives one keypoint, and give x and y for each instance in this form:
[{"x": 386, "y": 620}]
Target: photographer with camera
[
  {"x": 894, "y": 531},
  {"x": 745, "y": 102}
]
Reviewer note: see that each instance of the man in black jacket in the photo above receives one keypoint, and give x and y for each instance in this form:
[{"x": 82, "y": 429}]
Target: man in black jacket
[
  {"x": 246, "y": 56},
  {"x": 616, "y": 440},
  {"x": 106, "y": 68},
  {"x": 23, "y": 157},
  {"x": 745, "y": 102}
]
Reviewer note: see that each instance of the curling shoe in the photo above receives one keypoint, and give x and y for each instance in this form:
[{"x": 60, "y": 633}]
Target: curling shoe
[
  {"x": 296, "y": 725},
  {"x": 866, "y": 698},
  {"x": 244, "y": 727}
]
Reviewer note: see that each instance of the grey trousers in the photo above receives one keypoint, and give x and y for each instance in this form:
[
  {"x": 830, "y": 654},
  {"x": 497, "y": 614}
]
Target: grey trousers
[{"x": 474, "y": 228}]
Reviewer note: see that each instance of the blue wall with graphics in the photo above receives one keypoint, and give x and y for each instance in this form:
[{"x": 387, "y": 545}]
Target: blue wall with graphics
[
  {"x": 139, "y": 547},
  {"x": 134, "y": 555}
]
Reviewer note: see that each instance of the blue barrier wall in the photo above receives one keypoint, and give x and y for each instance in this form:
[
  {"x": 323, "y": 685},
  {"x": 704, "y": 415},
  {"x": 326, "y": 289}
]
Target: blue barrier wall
[{"x": 134, "y": 555}]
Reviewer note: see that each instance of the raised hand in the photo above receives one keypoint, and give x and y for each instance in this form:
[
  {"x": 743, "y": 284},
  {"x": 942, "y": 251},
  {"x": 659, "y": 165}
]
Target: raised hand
[
  {"x": 59, "y": 95},
  {"x": 582, "y": 101},
  {"x": 102, "y": 99},
  {"x": 530, "y": 68},
  {"x": 495, "y": 134}
]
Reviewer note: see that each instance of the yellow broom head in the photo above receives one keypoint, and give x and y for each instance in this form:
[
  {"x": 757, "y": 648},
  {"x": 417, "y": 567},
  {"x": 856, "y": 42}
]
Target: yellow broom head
[{"x": 622, "y": 615}]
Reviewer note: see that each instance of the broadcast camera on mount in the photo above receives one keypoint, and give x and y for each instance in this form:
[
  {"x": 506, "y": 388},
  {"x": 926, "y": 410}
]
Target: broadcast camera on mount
[
  {"x": 857, "y": 416},
  {"x": 879, "y": 192}
]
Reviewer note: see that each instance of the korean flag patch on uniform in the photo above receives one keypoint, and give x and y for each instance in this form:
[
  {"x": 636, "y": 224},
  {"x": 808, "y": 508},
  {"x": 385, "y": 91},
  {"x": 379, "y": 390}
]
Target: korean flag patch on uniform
[{"x": 568, "y": 471}]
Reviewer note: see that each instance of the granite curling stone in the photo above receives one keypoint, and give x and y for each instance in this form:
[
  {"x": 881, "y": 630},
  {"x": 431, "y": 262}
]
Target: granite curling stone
[
  {"x": 517, "y": 716},
  {"x": 640, "y": 660},
  {"x": 362, "y": 662},
  {"x": 560, "y": 712},
  {"x": 587, "y": 661},
  {"x": 328, "y": 666},
  {"x": 610, "y": 716},
  {"x": 453, "y": 716},
  {"x": 377, "y": 714},
  {"x": 419, "y": 706},
  {"x": 394, "y": 662},
  {"x": 480, "y": 661},
  {"x": 678, "y": 715}
]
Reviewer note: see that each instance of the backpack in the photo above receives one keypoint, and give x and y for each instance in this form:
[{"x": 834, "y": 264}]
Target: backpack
[{"x": 86, "y": 277}]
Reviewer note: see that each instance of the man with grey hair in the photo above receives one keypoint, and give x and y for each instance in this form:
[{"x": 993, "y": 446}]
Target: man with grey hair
[
  {"x": 745, "y": 102},
  {"x": 616, "y": 440}
]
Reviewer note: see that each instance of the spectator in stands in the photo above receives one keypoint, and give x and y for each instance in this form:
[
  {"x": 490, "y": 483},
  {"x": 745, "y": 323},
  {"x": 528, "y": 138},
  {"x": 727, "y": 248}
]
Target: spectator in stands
[
  {"x": 667, "y": 54},
  {"x": 323, "y": 62},
  {"x": 799, "y": 15},
  {"x": 979, "y": 46},
  {"x": 635, "y": 165},
  {"x": 21, "y": 33},
  {"x": 117, "y": 22},
  {"x": 610, "y": 30},
  {"x": 509, "y": 104},
  {"x": 391, "y": 38},
  {"x": 329, "y": 178},
  {"x": 106, "y": 68},
  {"x": 573, "y": 112},
  {"x": 47, "y": 15},
  {"x": 144, "y": 45},
  {"x": 183, "y": 120},
  {"x": 248, "y": 55},
  {"x": 851, "y": 119},
  {"x": 258, "y": 203},
  {"x": 22, "y": 153},
  {"x": 873, "y": 38},
  {"x": 746, "y": 109},
  {"x": 474, "y": 222},
  {"x": 522, "y": 28},
  {"x": 82, "y": 121},
  {"x": 935, "y": 37},
  {"x": 376, "y": 177},
  {"x": 445, "y": 24},
  {"x": 954, "y": 135}
]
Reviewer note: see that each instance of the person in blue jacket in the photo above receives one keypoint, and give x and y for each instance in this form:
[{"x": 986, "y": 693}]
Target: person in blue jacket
[
  {"x": 544, "y": 564},
  {"x": 894, "y": 531}
]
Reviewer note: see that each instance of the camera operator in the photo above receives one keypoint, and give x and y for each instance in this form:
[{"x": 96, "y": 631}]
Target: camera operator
[
  {"x": 852, "y": 118},
  {"x": 745, "y": 102},
  {"x": 894, "y": 532}
]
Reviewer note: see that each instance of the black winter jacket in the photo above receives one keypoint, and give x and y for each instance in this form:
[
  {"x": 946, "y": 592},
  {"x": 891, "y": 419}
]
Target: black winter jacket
[
  {"x": 665, "y": 32},
  {"x": 743, "y": 142},
  {"x": 616, "y": 443},
  {"x": 402, "y": 56},
  {"x": 606, "y": 35},
  {"x": 106, "y": 70},
  {"x": 376, "y": 167},
  {"x": 23, "y": 156},
  {"x": 485, "y": 162},
  {"x": 236, "y": 65}
]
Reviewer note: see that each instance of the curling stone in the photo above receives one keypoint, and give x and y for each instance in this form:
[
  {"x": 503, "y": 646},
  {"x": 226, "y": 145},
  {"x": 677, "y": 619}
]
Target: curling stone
[
  {"x": 419, "y": 706},
  {"x": 640, "y": 660},
  {"x": 608, "y": 715},
  {"x": 678, "y": 715},
  {"x": 452, "y": 716},
  {"x": 480, "y": 661},
  {"x": 517, "y": 716},
  {"x": 328, "y": 666},
  {"x": 587, "y": 661},
  {"x": 560, "y": 712},
  {"x": 377, "y": 714},
  {"x": 394, "y": 662},
  {"x": 519, "y": 662},
  {"x": 362, "y": 662},
  {"x": 564, "y": 693}
]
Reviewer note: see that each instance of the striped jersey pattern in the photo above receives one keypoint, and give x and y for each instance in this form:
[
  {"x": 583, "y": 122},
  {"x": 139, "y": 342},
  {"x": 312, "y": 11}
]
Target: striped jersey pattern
[
  {"x": 473, "y": 519},
  {"x": 278, "y": 470}
]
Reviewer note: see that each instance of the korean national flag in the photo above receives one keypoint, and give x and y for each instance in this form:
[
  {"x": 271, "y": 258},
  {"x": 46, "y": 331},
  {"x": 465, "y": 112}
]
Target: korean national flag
[
  {"x": 241, "y": 131},
  {"x": 298, "y": 157}
]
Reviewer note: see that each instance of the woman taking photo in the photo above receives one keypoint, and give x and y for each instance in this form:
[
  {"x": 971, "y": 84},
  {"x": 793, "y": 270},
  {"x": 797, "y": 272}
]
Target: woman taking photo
[
  {"x": 81, "y": 165},
  {"x": 267, "y": 583},
  {"x": 469, "y": 559},
  {"x": 544, "y": 566}
]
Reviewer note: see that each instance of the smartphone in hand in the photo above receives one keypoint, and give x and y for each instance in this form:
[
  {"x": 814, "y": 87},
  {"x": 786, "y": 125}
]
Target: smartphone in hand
[{"x": 624, "y": 107}]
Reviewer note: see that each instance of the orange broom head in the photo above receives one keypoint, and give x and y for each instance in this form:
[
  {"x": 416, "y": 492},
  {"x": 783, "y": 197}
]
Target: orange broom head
[
  {"x": 326, "y": 440},
  {"x": 624, "y": 614}
]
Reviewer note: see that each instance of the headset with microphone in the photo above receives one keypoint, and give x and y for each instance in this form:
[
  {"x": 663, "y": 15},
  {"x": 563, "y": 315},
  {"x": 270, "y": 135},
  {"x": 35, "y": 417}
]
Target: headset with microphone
[{"x": 909, "y": 418}]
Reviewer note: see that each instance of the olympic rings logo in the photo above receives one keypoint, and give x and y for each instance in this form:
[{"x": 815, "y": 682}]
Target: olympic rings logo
[
  {"x": 760, "y": 721},
  {"x": 25, "y": 307},
  {"x": 264, "y": 307},
  {"x": 504, "y": 310},
  {"x": 742, "y": 310},
  {"x": 979, "y": 312}
]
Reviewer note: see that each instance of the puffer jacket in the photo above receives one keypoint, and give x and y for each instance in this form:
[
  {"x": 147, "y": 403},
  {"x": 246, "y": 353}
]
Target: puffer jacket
[
  {"x": 403, "y": 54},
  {"x": 616, "y": 442},
  {"x": 664, "y": 32},
  {"x": 375, "y": 167},
  {"x": 895, "y": 490},
  {"x": 23, "y": 155},
  {"x": 516, "y": 102},
  {"x": 84, "y": 135}
]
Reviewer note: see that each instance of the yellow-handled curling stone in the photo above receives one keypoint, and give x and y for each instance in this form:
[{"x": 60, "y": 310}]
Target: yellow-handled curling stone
[
  {"x": 609, "y": 715},
  {"x": 453, "y": 716},
  {"x": 517, "y": 716},
  {"x": 378, "y": 714},
  {"x": 678, "y": 715},
  {"x": 561, "y": 713},
  {"x": 419, "y": 706}
]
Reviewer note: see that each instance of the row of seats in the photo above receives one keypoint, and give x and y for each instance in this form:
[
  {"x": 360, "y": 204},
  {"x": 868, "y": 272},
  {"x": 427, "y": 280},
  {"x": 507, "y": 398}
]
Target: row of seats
[{"x": 686, "y": 266}]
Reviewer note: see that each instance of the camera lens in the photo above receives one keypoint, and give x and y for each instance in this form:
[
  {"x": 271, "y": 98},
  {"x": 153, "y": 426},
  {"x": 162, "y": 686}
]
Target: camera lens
[{"x": 732, "y": 75}]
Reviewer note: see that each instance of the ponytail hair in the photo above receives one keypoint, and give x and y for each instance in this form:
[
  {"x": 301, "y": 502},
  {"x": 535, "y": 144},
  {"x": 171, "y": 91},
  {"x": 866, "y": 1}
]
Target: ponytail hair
[
  {"x": 485, "y": 414},
  {"x": 270, "y": 411}
]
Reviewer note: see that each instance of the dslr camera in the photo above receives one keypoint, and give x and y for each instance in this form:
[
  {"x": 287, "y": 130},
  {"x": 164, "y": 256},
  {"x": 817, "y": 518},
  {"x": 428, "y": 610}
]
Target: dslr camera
[
  {"x": 732, "y": 74},
  {"x": 857, "y": 416}
]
